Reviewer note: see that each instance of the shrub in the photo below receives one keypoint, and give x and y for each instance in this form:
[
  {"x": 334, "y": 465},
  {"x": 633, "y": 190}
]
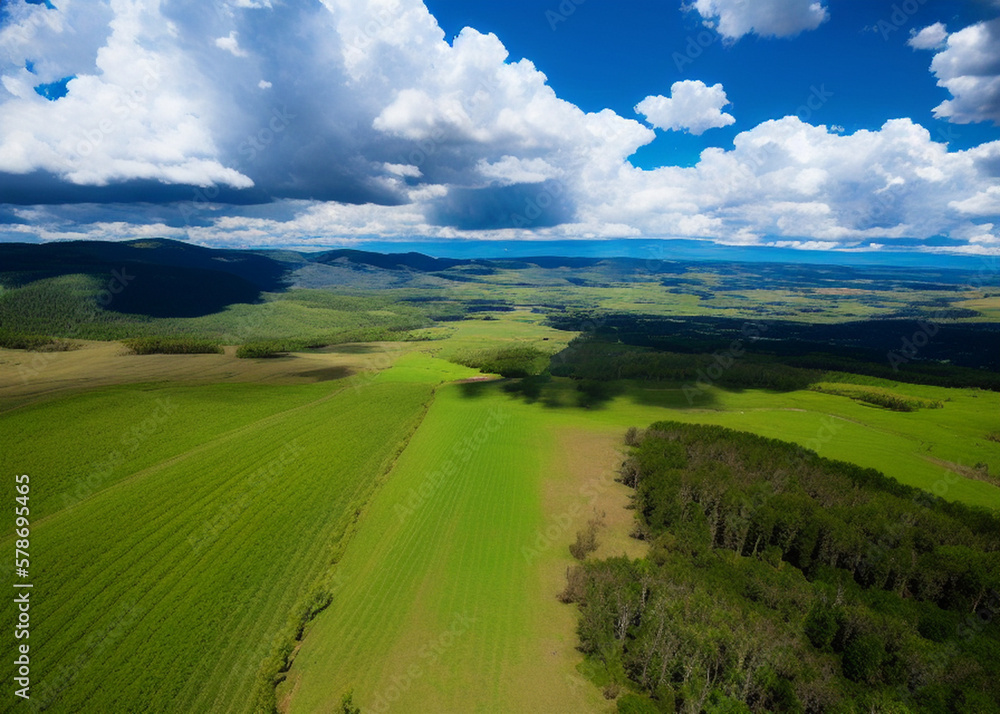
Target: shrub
[
  {"x": 586, "y": 539},
  {"x": 935, "y": 625},
  {"x": 631, "y": 703},
  {"x": 511, "y": 361},
  {"x": 576, "y": 585},
  {"x": 820, "y": 627},
  {"x": 257, "y": 350},
  {"x": 34, "y": 343},
  {"x": 172, "y": 346},
  {"x": 863, "y": 658},
  {"x": 629, "y": 472},
  {"x": 878, "y": 398},
  {"x": 347, "y": 705}
]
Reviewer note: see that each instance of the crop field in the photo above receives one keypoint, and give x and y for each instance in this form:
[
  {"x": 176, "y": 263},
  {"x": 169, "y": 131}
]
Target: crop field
[{"x": 181, "y": 542}]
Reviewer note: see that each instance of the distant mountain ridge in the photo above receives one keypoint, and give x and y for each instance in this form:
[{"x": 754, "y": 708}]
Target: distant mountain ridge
[{"x": 170, "y": 278}]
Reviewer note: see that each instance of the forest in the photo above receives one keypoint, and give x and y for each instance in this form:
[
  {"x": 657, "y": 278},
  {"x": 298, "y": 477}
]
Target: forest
[
  {"x": 781, "y": 354},
  {"x": 781, "y": 581}
]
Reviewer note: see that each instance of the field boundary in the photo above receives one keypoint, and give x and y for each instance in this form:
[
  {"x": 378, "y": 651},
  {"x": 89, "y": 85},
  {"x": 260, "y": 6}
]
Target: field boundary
[{"x": 275, "y": 669}]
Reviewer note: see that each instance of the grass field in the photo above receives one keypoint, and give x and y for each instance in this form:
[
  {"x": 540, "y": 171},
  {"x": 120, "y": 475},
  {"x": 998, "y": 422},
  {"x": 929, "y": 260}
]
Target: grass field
[
  {"x": 67, "y": 305},
  {"x": 929, "y": 448},
  {"x": 167, "y": 582},
  {"x": 446, "y": 606},
  {"x": 184, "y": 526}
]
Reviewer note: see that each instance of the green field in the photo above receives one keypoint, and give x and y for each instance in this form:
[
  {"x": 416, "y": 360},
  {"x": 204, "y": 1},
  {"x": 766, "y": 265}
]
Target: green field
[
  {"x": 190, "y": 531},
  {"x": 168, "y": 583},
  {"x": 440, "y": 610},
  {"x": 928, "y": 448}
]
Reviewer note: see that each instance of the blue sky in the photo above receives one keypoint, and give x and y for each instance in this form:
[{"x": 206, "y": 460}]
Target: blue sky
[
  {"x": 606, "y": 55},
  {"x": 863, "y": 126}
]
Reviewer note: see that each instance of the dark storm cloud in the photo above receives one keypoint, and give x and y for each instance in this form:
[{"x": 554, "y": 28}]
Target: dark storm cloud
[
  {"x": 525, "y": 205},
  {"x": 44, "y": 188}
]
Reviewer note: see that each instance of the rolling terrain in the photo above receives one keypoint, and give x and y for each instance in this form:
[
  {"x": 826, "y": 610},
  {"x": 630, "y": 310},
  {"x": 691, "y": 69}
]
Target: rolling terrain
[{"x": 224, "y": 534}]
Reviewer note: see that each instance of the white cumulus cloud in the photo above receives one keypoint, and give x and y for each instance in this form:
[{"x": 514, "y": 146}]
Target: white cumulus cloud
[
  {"x": 374, "y": 124},
  {"x": 930, "y": 38},
  {"x": 692, "y": 106},
  {"x": 968, "y": 66},
  {"x": 129, "y": 113},
  {"x": 767, "y": 18},
  {"x": 230, "y": 43},
  {"x": 791, "y": 179}
]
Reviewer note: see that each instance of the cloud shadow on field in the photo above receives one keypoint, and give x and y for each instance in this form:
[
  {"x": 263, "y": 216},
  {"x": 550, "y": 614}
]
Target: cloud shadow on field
[
  {"x": 678, "y": 396},
  {"x": 561, "y": 393},
  {"x": 350, "y": 349},
  {"x": 326, "y": 374}
]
